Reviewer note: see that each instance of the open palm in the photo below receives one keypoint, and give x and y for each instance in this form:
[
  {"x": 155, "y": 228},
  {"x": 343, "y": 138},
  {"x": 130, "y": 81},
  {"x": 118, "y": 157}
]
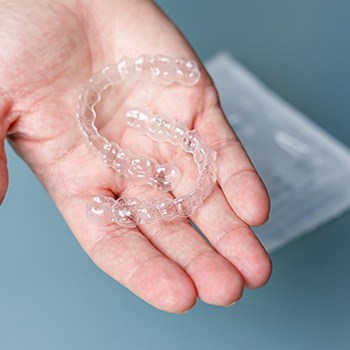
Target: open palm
[{"x": 48, "y": 50}]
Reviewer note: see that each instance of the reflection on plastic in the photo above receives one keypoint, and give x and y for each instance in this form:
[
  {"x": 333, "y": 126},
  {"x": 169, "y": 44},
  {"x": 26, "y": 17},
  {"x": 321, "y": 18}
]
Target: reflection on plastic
[{"x": 306, "y": 171}]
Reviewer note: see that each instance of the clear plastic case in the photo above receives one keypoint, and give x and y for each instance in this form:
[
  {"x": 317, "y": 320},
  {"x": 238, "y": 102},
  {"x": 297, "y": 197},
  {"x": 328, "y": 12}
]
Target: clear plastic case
[{"x": 306, "y": 170}]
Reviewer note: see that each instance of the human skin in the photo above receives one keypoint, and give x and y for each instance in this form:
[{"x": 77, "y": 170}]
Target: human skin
[{"x": 48, "y": 50}]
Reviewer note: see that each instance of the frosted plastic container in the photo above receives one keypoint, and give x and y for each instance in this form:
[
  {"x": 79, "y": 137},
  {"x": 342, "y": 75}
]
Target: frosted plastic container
[{"x": 306, "y": 170}]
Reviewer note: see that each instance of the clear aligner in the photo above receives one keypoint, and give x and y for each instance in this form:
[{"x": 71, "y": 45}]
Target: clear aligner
[{"x": 130, "y": 212}]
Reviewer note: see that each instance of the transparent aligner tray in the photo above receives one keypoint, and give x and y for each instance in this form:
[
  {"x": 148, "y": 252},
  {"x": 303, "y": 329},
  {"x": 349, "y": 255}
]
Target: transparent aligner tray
[{"x": 130, "y": 212}]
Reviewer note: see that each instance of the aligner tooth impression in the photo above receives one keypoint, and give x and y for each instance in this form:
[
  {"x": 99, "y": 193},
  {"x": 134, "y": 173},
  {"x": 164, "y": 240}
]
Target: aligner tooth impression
[{"x": 130, "y": 212}]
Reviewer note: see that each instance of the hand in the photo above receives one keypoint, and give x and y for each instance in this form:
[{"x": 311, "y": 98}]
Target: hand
[{"x": 48, "y": 50}]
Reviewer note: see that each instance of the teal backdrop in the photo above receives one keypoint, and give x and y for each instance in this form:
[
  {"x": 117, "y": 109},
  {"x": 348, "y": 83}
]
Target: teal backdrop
[{"x": 51, "y": 295}]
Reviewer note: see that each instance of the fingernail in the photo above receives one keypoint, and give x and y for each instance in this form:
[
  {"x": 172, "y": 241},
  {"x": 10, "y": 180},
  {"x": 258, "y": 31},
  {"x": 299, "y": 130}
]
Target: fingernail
[
  {"x": 235, "y": 302},
  {"x": 186, "y": 311}
]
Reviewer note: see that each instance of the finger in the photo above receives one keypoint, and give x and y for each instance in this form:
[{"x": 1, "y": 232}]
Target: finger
[
  {"x": 216, "y": 280},
  {"x": 237, "y": 176},
  {"x": 233, "y": 239},
  {"x": 128, "y": 257},
  {"x": 124, "y": 254},
  {"x": 228, "y": 234}
]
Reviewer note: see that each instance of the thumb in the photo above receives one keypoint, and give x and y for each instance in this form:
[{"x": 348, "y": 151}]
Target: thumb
[
  {"x": 5, "y": 105},
  {"x": 3, "y": 172}
]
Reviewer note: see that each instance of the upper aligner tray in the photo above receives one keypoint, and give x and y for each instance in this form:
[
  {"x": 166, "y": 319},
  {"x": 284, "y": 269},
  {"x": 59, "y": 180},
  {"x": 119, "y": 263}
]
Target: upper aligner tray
[{"x": 130, "y": 212}]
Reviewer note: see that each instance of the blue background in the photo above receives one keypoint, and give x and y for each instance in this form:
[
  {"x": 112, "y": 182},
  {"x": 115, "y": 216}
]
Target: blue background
[{"x": 53, "y": 297}]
